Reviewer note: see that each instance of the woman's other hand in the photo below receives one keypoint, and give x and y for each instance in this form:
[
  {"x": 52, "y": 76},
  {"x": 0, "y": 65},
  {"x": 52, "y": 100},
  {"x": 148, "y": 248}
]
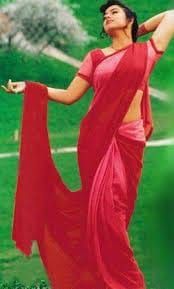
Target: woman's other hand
[{"x": 14, "y": 87}]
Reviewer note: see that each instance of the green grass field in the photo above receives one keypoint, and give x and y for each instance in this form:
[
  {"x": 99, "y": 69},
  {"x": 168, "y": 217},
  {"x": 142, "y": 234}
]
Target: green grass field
[{"x": 63, "y": 124}]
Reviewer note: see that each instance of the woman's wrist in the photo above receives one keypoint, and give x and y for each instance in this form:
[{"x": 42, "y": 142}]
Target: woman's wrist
[
  {"x": 151, "y": 24},
  {"x": 142, "y": 30}
]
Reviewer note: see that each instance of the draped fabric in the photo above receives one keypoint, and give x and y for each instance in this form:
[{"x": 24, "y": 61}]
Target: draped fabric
[{"x": 82, "y": 235}]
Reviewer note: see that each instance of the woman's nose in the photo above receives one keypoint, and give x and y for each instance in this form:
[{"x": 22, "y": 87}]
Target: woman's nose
[{"x": 109, "y": 18}]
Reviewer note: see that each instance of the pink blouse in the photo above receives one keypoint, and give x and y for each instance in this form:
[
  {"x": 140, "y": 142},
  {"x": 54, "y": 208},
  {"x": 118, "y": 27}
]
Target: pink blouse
[{"x": 106, "y": 67}]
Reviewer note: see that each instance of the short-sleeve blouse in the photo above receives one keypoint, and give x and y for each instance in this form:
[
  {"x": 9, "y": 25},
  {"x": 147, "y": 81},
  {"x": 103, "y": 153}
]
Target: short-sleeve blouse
[{"x": 105, "y": 69}]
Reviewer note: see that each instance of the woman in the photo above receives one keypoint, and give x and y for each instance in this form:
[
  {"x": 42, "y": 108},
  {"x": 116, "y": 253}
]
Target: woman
[{"x": 82, "y": 236}]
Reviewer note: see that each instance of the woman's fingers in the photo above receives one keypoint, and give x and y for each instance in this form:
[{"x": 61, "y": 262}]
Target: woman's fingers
[
  {"x": 9, "y": 88},
  {"x": 15, "y": 87},
  {"x": 10, "y": 85},
  {"x": 5, "y": 88}
]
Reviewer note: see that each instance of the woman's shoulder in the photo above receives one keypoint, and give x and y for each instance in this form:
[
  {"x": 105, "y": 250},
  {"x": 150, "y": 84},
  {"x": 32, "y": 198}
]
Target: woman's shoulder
[
  {"x": 154, "y": 54},
  {"x": 152, "y": 45},
  {"x": 90, "y": 52},
  {"x": 95, "y": 53},
  {"x": 96, "y": 49}
]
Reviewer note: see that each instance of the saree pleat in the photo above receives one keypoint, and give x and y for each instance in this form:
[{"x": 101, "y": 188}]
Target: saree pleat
[
  {"x": 82, "y": 236},
  {"x": 109, "y": 213}
]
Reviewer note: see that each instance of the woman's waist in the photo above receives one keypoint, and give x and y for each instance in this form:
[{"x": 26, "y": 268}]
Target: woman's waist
[
  {"x": 134, "y": 111},
  {"x": 133, "y": 129}
]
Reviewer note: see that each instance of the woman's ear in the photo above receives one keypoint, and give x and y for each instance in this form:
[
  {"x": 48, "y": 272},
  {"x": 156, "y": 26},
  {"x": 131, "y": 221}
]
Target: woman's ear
[{"x": 130, "y": 22}]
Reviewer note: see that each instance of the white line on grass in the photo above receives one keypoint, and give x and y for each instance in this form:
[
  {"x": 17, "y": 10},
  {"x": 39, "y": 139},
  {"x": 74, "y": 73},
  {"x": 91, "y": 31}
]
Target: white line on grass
[
  {"x": 162, "y": 142},
  {"x": 153, "y": 143},
  {"x": 158, "y": 94}
]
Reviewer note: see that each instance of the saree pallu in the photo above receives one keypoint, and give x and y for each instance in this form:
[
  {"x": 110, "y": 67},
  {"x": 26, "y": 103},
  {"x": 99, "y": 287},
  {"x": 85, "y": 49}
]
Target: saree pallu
[{"x": 82, "y": 235}]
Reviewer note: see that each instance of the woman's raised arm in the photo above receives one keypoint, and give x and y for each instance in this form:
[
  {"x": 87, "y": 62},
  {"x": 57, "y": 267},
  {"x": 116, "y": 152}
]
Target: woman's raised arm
[{"x": 162, "y": 26}]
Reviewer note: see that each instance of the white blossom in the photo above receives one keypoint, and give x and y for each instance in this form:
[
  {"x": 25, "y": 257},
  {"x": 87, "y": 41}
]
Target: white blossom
[{"x": 38, "y": 23}]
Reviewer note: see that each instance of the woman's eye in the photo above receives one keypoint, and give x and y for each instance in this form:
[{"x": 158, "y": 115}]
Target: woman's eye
[{"x": 112, "y": 12}]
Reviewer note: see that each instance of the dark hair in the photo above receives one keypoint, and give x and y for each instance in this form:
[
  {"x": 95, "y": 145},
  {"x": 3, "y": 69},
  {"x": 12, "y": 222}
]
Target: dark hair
[{"x": 129, "y": 14}]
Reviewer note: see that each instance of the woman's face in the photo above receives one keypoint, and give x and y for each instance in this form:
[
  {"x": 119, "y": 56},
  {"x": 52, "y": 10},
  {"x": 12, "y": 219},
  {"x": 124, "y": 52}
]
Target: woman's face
[{"x": 114, "y": 18}]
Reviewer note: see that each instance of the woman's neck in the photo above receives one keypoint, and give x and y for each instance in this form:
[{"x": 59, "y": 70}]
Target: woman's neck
[{"x": 120, "y": 42}]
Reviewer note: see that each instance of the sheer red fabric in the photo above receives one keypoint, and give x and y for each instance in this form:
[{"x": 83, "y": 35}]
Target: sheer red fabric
[{"x": 82, "y": 235}]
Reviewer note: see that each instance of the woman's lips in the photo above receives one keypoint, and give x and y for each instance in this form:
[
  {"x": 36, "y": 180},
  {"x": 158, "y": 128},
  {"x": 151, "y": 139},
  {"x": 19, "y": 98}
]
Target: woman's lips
[{"x": 109, "y": 21}]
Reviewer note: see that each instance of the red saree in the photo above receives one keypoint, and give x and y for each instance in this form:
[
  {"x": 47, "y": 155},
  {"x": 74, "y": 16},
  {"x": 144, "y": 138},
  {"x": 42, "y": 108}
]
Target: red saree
[{"x": 82, "y": 236}]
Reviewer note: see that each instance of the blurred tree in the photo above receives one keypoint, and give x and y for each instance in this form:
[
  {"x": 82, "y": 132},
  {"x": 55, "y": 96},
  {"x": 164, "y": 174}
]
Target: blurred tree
[{"x": 35, "y": 24}]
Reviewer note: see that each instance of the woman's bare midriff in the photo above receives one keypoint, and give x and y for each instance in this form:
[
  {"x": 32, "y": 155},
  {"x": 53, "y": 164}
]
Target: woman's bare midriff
[{"x": 134, "y": 112}]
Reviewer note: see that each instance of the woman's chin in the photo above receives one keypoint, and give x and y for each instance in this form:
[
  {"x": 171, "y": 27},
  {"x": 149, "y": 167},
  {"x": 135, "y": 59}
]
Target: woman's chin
[
  {"x": 111, "y": 29},
  {"x": 111, "y": 32}
]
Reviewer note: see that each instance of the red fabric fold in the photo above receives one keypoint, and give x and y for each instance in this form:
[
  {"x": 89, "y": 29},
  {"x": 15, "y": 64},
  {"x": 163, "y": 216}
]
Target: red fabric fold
[{"x": 31, "y": 199}]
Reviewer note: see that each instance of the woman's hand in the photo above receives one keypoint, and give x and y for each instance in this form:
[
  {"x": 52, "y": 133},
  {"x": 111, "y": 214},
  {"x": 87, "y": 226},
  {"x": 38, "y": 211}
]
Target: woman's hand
[{"x": 14, "y": 87}]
